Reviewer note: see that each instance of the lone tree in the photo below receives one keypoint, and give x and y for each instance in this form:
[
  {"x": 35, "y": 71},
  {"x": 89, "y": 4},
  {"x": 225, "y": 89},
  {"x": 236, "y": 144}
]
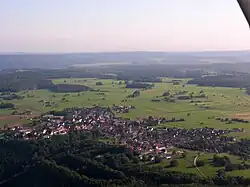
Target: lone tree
[
  {"x": 184, "y": 154},
  {"x": 221, "y": 173},
  {"x": 200, "y": 163},
  {"x": 165, "y": 94},
  {"x": 99, "y": 83},
  {"x": 5, "y": 127},
  {"x": 174, "y": 163},
  {"x": 136, "y": 93},
  {"x": 6, "y": 105},
  {"x": 158, "y": 159}
]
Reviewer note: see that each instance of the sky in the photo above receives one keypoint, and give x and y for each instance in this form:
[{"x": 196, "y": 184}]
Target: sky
[{"x": 122, "y": 25}]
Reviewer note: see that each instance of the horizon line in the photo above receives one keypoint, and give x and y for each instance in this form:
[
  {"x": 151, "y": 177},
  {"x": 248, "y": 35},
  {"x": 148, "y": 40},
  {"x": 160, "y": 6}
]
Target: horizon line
[{"x": 143, "y": 51}]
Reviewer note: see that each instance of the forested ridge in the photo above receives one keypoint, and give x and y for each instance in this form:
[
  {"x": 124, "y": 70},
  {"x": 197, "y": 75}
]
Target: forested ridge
[{"x": 77, "y": 159}]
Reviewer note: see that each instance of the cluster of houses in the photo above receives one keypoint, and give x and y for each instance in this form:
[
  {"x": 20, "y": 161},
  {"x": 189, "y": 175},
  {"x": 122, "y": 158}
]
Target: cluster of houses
[{"x": 136, "y": 134}]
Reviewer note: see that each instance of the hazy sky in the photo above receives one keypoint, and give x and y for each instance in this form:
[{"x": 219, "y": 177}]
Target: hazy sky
[{"x": 121, "y": 25}]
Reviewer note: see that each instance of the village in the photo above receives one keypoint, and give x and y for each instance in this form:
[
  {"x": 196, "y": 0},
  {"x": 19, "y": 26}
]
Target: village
[{"x": 141, "y": 135}]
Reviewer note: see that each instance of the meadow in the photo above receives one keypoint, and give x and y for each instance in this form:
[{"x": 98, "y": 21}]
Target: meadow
[
  {"x": 208, "y": 170},
  {"x": 220, "y": 102}
]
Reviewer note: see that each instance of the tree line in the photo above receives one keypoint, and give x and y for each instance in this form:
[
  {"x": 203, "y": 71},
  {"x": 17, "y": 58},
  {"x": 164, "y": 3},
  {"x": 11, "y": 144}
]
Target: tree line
[{"x": 235, "y": 81}]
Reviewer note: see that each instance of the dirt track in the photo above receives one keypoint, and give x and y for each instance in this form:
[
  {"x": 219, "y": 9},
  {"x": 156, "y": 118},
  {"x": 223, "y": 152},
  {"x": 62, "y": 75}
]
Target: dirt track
[{"x": 245, "y": 115}]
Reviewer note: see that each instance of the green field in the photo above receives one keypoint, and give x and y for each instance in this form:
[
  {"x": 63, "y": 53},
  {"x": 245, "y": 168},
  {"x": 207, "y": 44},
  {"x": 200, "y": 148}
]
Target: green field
[
  {"x": 233, "y": 101},
  {"x": 208, "y": 170},
  {"x": 222, "y": 102}
]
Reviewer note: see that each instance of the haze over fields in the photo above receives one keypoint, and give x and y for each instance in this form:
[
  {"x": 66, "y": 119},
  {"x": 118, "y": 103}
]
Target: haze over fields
[
  {"x": 58, "y": 60},
  {"x": 59, "y": 34}
]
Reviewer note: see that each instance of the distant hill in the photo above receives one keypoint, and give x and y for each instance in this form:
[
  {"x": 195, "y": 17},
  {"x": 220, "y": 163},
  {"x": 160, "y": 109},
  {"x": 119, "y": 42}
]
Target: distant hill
[{"x": 26, "y": 61}]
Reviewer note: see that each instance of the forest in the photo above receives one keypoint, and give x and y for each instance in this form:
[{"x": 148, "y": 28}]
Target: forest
[
  {"x": 80, "y": 159},
  {"x": 235, "y": 81},
  {"x": 31, "y": 80}
]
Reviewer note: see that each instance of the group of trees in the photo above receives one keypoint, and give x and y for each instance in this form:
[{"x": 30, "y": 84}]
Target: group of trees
[
  {"x": 151, "y": 121},
  {"x": 29, "y": 80},
  {"x": 136, "y": 93},
  {"x": 228, "y": 120},
  {"x": 78, "y": 160},
  {"x": 68, "y": 88},
  {"x": 6, "y": 105},
  {"x": 240, "y": 148},
  {"x": 10, "y": 96},
  {"x": 232, "y": 167},
  {"x": 236, "y": 81},
  {"x": 224, "y": 161},
  {"x": 221, "y": 160},
  {"x": 139, "y": 85},
  {"x": 99, "y": 83}
]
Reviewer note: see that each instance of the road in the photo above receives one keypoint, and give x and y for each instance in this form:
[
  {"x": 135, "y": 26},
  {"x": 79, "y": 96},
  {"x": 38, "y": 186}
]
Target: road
[{"x": 195, "y": 159}]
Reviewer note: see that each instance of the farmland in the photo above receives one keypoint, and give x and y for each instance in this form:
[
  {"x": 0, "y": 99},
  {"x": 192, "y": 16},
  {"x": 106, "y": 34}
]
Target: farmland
[{"x": 220, "y": 102}]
